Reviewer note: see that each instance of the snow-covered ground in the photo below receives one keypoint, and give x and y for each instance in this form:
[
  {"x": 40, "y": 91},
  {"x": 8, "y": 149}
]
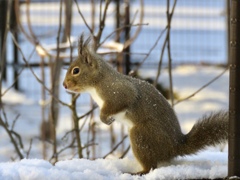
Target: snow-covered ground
[
  {"x": 209, "y": 163},
  {"x": 204, "y": 165}
]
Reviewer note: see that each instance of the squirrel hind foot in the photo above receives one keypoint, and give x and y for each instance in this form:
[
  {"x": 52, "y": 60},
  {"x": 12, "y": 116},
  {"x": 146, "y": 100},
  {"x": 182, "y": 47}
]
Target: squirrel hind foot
[{"x": 140, "y": 173}]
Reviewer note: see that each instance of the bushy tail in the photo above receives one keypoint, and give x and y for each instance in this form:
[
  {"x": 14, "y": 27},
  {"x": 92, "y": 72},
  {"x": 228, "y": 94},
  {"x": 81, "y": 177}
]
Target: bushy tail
[{"x": 210, "y": 130}]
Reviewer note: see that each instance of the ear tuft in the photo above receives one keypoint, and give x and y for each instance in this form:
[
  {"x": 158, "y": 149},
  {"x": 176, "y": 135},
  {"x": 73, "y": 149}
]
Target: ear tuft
[
  {"x": 80, "y": 44},
  {"x": 83, "y": 44}
]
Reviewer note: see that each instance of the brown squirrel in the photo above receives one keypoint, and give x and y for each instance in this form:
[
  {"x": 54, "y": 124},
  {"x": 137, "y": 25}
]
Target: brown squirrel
[{"x": 154, "y": 130}]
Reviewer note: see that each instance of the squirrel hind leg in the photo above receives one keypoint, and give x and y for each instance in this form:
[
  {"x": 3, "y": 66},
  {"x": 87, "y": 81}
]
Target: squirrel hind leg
[
  {"x": 144, "y": 149},
  {"x": 150, "y": 147}
]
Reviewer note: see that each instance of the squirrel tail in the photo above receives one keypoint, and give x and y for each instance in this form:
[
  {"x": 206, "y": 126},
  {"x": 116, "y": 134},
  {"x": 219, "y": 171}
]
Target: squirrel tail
[{"x": 210, "y": 130}]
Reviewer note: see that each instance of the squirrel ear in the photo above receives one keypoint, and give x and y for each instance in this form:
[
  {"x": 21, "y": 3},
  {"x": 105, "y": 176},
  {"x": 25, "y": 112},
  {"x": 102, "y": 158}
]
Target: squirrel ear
[
  {"x": 88, "y": 60},
  {"x": 83, "y": 44}
]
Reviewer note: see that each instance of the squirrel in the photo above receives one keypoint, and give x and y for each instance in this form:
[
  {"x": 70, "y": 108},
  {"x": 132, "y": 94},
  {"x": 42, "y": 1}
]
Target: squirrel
[{"x": 154, "y": 130}]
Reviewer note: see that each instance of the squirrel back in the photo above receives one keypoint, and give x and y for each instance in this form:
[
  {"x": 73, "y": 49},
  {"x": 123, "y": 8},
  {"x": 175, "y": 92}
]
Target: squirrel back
[{"x": 154, "y": 131}]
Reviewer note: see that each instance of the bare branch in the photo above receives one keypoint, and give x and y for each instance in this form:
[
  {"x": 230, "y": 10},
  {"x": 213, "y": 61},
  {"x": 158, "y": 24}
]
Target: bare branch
[
  {"x": 54, "y": 89},
  {"x": 76, "y": 127},
  {"x": 93, "y": 11},
  {"x": 120, "y": 29},
  {"x": 210, "y": 82},
  {"x": 36, "y": 77},
  {"x": 88, "y": 113},
  {"x": 17, "y": 11},
  {"x": 14, "y": 121},
  {"x": 125, "y": 152},
  {"x": 67, "y": 133},
  {"x": 29, "y": 149},
  {"x": 149, "y": 52},
  {"x": 18, "y": 137},
  {"x": 169, "y": 16},
  {"x": 29, "y": 23},
  {"x": 10, "y": 134},
  {"x": 65, "y": 148},
  {"x": 130, "y": 41},
  {"x": 71, "y": 145},
  {"x": 83, "y": 18},
  {"x": 19, "y": 73},
  {"x": 101, "y": 24},
  {"x": 115, "y": 147}
]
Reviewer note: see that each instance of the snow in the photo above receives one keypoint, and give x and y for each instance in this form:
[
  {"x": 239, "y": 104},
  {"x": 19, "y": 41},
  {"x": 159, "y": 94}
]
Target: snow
[
  {"x": 14, "y": 97},
  {"x": 204, "y": 165},
  {"x": 209, "y": 163}
]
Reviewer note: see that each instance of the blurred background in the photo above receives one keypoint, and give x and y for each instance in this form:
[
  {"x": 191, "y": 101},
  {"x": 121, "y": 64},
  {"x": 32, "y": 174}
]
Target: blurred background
[{"x": 39, "y": 39}]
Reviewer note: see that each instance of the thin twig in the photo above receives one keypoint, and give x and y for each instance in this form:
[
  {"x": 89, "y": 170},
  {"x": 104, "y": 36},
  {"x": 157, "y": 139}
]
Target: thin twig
[
  {"x": 89, "y": 112},
  {"x": 18, "y": 137},
  {"x": 210, "y": 82},
  {"x": 101, "y": 25},
  {"x": 17, "y": 11},
  {"x": 53, "y": 110},
  {"x": 2, "y": 123},
  {"x": 130, "y": 41},
  {"x": 120, "y": 29},
  {"x": 91, "y": 129},
  {"x": 125, "y": 152},
  {"x": 18, "y": 75},
  {"x": 160, "y": 62},
  {"x": 29, "y": 23},
  {"x": 83, "y": 18},
  {"x": 149, "y": 52},
  {"x": 65, "y": 148},
  {"x": 4, "y": 115},
  {"x": 93, "y": 12},
  {"x": 29, "y": 149},
  {"x": 169, "y": 16},
  {"x": 10, "y": 134},
  {"x": 36, "y": 77},
  {"x": 14, "y": 121},
  {"x": 76, "y": 127},
  {"x": 66, "y": 134},
  {"x": 116, "y": 146}
]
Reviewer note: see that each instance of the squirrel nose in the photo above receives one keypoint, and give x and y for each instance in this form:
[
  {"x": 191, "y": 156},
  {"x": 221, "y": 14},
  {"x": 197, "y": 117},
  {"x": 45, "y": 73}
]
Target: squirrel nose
[{"x": 65, "y": 85}]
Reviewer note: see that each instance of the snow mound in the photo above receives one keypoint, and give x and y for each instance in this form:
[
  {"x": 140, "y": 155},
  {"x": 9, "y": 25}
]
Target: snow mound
[
  {"x": 15, "y": 97},
  {"x": 206, "y": 164}
]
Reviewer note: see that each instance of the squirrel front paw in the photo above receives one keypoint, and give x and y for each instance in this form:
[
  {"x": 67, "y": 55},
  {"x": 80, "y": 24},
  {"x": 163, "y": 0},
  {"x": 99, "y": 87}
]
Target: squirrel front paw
[
  {"x": 110, "y": 120},
  {"x": 107, "y": 120}
]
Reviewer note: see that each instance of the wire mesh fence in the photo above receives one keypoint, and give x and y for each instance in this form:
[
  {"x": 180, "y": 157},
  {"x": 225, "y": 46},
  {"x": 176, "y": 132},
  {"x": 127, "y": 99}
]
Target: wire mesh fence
[{"x": 198, "y": 35}]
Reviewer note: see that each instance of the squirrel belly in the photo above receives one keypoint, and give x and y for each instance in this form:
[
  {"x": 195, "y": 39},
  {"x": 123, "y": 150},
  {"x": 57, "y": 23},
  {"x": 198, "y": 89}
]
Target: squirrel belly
[
  {"x": 119, "y": 117},
  {"x": 95, "y": 96}
]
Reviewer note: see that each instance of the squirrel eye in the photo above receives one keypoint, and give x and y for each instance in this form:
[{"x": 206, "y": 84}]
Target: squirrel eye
[{"x": 75, "y": 71}]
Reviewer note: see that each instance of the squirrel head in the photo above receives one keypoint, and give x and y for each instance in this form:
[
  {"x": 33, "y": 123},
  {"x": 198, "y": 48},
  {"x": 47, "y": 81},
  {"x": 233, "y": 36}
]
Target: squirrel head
[{"x": 83, "y": 72}]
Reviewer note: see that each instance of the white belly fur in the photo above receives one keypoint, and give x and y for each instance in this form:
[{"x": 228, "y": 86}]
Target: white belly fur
[
  {"x": 96, "y": 97},
  {"x": 119, "y": 117}
]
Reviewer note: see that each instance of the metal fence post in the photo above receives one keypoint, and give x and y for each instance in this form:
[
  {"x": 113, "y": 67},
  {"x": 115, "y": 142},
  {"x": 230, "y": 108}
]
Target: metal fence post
[
  {"x": 228, "y": 29},
  {"x": 234, "y": 91}
]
